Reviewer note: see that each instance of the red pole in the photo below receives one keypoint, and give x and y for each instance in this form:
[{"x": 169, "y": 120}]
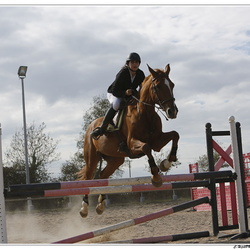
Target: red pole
[{"x": 223, "y": 200}]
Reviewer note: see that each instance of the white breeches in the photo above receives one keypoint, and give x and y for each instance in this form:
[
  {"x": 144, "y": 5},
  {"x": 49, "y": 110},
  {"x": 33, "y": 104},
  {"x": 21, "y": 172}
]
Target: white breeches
[{"x": 115, "y": 101}]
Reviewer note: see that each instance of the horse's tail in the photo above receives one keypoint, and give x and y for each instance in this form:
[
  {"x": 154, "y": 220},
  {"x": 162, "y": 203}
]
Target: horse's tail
[{"x": 89, "y": 153}]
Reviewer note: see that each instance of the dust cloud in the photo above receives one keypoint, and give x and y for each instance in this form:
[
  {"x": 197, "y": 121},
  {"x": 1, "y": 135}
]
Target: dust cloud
[{"x": 45, "y": 226}]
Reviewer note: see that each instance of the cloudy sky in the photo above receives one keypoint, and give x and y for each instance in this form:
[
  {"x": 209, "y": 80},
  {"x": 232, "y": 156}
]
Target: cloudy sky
[{"x": 74, "y": 52}]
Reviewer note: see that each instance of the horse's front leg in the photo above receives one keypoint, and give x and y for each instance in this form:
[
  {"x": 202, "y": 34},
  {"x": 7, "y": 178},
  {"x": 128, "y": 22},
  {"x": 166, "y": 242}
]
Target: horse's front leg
[
  {"x": 138, "y": 147},
  {"x": 173, "y": 153},
  {"x": 161, "y": 141}
]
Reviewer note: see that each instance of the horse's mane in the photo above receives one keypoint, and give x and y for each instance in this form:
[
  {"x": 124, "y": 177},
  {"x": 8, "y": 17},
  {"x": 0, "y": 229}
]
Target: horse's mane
[{"x": 147, "y": 77}]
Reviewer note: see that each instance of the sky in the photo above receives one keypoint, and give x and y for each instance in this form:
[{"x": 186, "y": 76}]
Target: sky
[{"x": 73, "y": 53}]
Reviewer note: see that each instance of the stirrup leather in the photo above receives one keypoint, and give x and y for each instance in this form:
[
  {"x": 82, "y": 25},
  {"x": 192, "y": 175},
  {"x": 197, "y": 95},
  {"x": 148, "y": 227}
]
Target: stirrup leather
[{"x": 96, "y": 133}]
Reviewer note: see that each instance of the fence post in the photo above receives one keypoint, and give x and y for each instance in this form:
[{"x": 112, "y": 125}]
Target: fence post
[
  {"x": 240, "y": 188},
  {"x": 213, "y": 201}
]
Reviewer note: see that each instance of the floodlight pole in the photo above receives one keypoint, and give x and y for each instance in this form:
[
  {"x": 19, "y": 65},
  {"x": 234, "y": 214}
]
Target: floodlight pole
[
  {"x": 25, "y": 137},
  {"x": 22, "y": 74}
]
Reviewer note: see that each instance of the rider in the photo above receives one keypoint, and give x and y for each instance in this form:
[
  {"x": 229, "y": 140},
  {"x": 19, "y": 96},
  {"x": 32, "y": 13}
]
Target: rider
[{"x": 125, "y": 84}]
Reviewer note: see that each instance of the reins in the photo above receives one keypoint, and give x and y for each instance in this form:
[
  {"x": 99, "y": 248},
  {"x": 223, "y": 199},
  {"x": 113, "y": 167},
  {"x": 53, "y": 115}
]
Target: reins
[{"x": 147, "y": 104}]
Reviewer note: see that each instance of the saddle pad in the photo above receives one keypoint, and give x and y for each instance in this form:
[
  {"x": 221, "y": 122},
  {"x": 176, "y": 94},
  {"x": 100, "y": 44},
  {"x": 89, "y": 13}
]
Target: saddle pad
[{"x": 117, "y": 122}]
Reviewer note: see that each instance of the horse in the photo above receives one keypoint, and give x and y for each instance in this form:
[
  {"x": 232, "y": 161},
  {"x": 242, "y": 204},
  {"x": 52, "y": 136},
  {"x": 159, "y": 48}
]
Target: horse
[{"x": 141, "y": 132}]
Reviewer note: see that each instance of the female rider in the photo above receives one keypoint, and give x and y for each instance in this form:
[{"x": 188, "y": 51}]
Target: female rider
[{"x": 125, "y": 84}]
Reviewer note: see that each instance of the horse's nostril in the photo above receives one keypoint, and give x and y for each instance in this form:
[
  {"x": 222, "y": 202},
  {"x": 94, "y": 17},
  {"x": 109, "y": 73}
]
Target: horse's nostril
[{"x": 170, "y": 112}]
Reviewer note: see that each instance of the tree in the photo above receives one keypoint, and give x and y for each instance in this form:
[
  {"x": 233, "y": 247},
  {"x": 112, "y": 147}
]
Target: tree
[
  {"x": 203, "y": 162},
  {"x": 98, "y": 109},
  {"x": 70, "y": 169},
  {"x": 41, "y": 153}
]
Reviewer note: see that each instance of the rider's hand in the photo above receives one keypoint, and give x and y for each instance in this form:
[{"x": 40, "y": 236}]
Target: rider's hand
[{"x": 129, "y": 92}]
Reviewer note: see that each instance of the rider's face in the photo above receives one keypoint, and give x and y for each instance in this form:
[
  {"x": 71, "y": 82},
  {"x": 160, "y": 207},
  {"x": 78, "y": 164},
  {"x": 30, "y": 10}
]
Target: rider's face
[{"x": 134, "y": 65}]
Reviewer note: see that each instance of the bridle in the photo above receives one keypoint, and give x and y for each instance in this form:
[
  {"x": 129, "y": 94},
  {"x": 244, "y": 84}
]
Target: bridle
[{"x": 161, "y": 103}]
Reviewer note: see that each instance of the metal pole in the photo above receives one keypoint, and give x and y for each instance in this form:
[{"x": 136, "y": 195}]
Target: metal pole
[
  {"x": 129, "y": 167},
  {"x": 3, "y": 235},
  {"x": 25, "y": 137},
  {"x": 29, "y": 201}
]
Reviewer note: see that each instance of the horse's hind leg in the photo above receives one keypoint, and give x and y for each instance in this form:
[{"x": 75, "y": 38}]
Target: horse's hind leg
[
  {"x": 91, "y": 158},
  {"x": 112, "y": 164},
  {"x": 84, "y": 207}
]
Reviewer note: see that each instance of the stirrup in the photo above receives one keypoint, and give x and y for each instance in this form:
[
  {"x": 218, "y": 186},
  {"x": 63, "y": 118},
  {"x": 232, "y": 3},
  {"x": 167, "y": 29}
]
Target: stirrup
[{"x": 96, "y": 133}]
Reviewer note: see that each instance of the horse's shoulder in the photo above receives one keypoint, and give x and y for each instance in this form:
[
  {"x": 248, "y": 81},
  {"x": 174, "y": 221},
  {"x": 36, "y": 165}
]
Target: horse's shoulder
[{"x": 131, "y": 110}]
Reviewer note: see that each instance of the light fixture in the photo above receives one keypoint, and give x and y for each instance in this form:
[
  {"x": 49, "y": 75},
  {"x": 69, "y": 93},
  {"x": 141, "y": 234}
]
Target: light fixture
[{"x": 22, "y": 71}]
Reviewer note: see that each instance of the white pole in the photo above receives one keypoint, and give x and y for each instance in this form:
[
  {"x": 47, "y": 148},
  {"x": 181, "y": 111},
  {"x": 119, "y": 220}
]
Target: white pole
[
  {"x": 239, "y": 191},
  {"x": 2, "y": 200}
]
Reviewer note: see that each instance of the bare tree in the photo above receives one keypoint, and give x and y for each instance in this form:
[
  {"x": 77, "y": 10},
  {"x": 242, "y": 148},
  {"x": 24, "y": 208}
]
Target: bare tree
[
  {"x": 41, "y": 153},
  {"x": 98, "y": 109},
  {"x": 203, "y": 162}
]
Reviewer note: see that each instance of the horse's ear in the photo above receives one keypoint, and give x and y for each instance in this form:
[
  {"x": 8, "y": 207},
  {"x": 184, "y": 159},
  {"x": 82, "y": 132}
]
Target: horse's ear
[
  {"x": 167, "y": 69},
  {"x": 153, "y": 73}
]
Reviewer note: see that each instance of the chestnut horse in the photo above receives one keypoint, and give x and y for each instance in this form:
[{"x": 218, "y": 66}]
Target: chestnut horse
[{"x": 141, "y": 131}]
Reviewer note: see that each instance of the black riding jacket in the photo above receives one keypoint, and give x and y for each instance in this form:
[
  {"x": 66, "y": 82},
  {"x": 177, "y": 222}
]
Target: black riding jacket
[{"x": 123, "y": 82}]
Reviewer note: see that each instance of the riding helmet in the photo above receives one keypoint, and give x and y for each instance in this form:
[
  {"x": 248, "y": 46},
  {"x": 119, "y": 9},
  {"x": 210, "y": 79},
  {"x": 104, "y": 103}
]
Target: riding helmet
[{"x": 133, "y": 57}]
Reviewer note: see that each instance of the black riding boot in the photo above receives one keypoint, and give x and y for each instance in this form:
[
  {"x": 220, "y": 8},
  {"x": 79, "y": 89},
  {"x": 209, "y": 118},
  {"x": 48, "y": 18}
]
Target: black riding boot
[{"x": 99, "y": 131}]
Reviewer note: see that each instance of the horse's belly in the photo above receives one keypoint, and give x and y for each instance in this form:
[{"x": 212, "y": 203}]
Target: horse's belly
[{"x": 109, "y": 145}]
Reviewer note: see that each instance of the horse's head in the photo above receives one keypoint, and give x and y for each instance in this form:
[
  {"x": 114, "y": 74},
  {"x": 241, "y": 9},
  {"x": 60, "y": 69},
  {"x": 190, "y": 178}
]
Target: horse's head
[{"x": 162, "y": 92}]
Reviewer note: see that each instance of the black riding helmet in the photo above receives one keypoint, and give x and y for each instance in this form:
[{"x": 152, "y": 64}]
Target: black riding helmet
[{"x": 133, "y": 57}]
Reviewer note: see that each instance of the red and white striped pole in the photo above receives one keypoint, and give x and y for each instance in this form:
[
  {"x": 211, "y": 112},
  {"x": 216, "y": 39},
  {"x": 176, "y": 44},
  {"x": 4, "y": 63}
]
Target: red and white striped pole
[
  {"x": 92, "y": 186},
  {"x": 133, "y": 222}
]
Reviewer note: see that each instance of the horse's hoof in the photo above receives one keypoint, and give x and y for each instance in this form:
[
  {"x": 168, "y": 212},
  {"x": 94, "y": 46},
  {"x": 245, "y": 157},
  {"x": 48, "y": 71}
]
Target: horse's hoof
[
  {"x": 83, "y": 213},
  {"x": 100, "y": 207},
  {"x": 156, "y": 181},
  {"x": 84, "y": 210},
  {"x": 165, "y": 165}
]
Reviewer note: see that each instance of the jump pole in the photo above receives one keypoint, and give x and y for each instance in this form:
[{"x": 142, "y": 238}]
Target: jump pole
[
  {"x": 158, "y": 239},
  {"x": 2, "y": 200},
  {"x": 133, "y": 222},
  {"x": 115, "y": 182},
  {"x": 115, "y": 189}
]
